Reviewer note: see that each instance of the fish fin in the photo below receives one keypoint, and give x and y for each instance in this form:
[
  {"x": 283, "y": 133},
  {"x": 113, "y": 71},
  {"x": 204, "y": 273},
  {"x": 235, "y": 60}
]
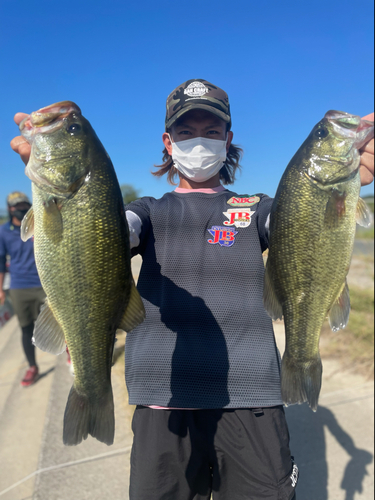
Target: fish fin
[
  {"x": 339, "y": 313},
  {"x": 135, "y": 311},
  {"x": 270, "y": 301},
  {"x": 48, "y": 334},
  {"x": 364, "y": 216},
  {"x": 27, "y": 225},
  {"x": 301, "y": 381},
  {"x": 83, "y": 417},
  {"x": 335, "y": 209},
  {"x": 52, "y": 221}
]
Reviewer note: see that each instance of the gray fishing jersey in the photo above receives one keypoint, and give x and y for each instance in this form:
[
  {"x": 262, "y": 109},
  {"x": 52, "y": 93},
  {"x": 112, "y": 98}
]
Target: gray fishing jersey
[{"x": 207, "y": 341}]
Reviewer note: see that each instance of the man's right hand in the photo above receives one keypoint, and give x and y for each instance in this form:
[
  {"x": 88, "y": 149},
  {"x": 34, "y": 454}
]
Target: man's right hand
[
  {"x": 19, "y": 143},
  {"x": 2, "y": 297}
]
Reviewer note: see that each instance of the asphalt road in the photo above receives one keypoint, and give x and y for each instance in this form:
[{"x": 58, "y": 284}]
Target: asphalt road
[{"x": 333, "y": 447}]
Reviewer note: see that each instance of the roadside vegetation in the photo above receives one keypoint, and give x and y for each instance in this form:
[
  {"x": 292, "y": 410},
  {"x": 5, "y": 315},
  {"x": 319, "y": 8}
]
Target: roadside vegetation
[
  {"x": 354, "y": 346},
  {"x": 363, "y": 233}
]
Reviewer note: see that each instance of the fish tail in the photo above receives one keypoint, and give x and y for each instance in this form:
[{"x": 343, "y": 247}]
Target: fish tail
[
  {"x": 301, "y": 381},
  {"x": 83, "y": 417}
]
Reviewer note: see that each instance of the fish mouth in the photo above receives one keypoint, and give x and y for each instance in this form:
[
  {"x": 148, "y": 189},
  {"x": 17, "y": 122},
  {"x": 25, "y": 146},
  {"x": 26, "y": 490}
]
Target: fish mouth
[
  {"x": 346, "y": 125},
  {"x": 48, "y": 119},
  {"x": 365, "y": 132},
  {"x": 342, "y": 119}
]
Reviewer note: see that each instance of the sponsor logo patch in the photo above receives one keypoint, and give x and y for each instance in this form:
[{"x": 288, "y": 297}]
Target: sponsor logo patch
[
  {"x": 248, "y": 201},
  {"x": 196, "y": 89},
  {"x": 240, "y": 217},
  {"x": 222, "y": 235}
]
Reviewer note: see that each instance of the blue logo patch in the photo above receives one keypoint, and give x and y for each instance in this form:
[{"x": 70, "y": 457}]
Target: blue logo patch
[{"x": 222, "y": 235}]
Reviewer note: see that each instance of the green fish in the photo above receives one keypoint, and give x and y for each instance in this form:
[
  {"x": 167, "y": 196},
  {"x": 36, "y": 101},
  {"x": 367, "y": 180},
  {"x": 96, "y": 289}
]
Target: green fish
[
  {"x": 312, "y": 230},
  {"x": 82, "y": 253}
]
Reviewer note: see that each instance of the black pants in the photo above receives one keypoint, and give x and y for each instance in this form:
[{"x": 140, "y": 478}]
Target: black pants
[
  {"x": 233, "y": 454},
  {"x": 28, "y": 346}
]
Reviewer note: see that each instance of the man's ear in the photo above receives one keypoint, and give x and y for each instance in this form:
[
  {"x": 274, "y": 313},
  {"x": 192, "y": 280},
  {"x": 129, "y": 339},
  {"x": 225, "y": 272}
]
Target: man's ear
[{"x": 167, "y": 142}]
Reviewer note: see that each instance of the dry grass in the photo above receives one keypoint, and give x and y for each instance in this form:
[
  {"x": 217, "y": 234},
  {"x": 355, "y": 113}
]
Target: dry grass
[
  {"x": 354, "y": 346},
  {"x": 118, "y": 379}
]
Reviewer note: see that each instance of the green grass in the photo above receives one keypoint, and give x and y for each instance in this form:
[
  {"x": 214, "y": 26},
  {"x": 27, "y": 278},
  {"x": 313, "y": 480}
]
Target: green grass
[{"x": 363, "y": 233}]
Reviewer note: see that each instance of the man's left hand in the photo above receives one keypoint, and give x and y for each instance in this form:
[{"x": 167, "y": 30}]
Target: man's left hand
[{"x": 366, "y": 168}]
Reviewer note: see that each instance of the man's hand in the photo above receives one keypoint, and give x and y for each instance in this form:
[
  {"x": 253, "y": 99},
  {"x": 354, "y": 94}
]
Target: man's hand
[
  {"x": 19, "y": 143},
  {"x": 2, "y": 297},
  {"x": 366, "y": 168}
]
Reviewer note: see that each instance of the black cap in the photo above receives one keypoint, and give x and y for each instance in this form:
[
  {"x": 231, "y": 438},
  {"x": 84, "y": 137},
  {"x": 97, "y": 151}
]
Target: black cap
[{"x": 197, "y": 94}]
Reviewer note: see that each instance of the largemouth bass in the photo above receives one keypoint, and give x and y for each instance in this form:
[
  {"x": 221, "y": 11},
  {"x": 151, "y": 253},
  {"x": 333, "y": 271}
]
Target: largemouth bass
[
  {"x": 82, "y": 253},
  {"x": 312, "y": 229}
]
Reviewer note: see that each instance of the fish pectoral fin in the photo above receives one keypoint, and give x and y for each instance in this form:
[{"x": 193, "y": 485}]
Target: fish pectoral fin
[
  {"x": 48, "y": 334},
  {"x": 364, "y": 216},
  {"x": 270, "y": 301},
  {"x": 339, "y": 313},
  {"x": 27, "y": 225},
  {"x": 135, "y": 311},
  {"x": 335, "y": 209}
]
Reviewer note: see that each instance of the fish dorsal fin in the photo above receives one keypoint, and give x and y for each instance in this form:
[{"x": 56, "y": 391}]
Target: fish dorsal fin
[
  {"x": 364, "y": 216},
  {"x": 27, "y": 225},
  {"x": 270, "y": 301},
  {"x": 339, "y": 313},
  {"x": 48, "y": 334},
  {"x": 135, "y": 311}
]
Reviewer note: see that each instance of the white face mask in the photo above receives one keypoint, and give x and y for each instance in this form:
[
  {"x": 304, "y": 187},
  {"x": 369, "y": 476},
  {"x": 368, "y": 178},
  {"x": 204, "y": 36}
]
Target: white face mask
[{"x": 199, "y": 159}]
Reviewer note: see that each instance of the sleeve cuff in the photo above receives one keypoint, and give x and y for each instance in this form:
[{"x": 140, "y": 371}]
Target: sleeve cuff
[{"x": 135, "y": 228}]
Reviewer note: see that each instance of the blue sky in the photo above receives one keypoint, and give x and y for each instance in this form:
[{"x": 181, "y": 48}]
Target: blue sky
[{"x": 283, "y": 64}]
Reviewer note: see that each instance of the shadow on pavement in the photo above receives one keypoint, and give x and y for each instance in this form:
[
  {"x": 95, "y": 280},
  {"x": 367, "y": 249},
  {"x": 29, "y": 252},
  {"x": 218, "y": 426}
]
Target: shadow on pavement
[
  {"x": 44, "y": 374},
  {"x": 308, "y": 446}
]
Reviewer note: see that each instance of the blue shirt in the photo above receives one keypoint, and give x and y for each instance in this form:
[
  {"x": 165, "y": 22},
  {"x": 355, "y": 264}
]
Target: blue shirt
[{"x": 23, "y": 270}]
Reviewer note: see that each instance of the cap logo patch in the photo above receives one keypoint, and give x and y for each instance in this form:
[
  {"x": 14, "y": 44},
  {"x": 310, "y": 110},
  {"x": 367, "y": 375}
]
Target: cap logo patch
[
  {"x": 222, "y": 235},
  {"x": 240, "y": 217},
  {"x": 248, "y": 201},
  {"x": 196, "y": 89}
]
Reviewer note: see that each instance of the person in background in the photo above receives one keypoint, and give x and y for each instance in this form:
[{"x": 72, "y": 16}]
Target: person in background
[{"x": 26, "y": 291}]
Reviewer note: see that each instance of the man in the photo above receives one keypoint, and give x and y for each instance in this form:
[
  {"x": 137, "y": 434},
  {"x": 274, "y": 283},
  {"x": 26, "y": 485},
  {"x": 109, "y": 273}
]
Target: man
[
  {"x": 26, "y": 291},
  {"x": 203, "y": 368}
]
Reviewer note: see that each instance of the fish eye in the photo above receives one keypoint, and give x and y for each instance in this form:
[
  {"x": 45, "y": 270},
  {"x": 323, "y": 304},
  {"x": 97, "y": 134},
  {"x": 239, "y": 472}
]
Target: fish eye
[
  {"x": 74, "y": 128},
  {"x": 321, "y": 133}
]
